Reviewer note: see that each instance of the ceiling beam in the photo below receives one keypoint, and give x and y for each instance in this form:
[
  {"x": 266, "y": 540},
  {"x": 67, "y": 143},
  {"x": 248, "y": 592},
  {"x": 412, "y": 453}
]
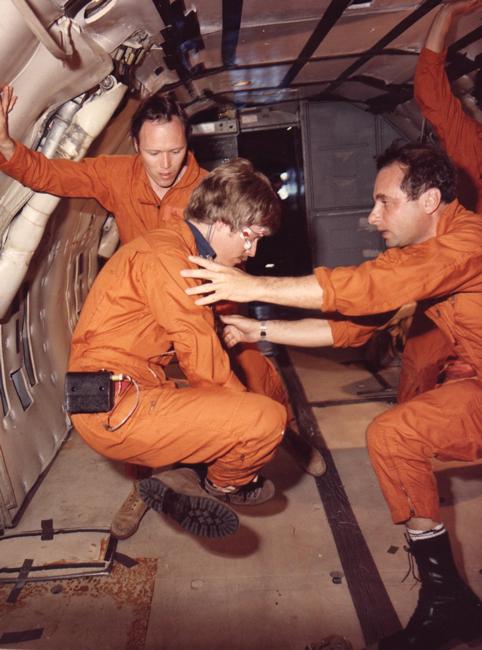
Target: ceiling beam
[
  {"x": 402, "y": 26},
  {"x": 330, "y": 17},
  {"x": 232, "y": 13},
  {"x": 458, "y": 64}
]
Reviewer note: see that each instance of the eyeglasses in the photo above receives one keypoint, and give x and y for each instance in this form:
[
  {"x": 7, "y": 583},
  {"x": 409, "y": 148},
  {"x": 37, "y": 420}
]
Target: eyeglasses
[{"x": 249, "y": 236}]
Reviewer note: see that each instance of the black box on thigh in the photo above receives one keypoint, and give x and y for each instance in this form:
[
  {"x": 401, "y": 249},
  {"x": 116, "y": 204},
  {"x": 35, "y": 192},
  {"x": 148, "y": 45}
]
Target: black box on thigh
[{"x": 89, "y": 392}]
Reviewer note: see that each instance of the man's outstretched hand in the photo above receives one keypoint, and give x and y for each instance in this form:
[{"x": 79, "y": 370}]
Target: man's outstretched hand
[{"x": 225, "y": 282}]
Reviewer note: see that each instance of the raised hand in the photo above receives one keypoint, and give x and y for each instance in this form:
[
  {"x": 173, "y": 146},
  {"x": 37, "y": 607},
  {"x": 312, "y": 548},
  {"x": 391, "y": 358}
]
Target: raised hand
[
  {"x": 448, "y": 12},
  {"x": 8, "y": 99},
  {"x": 461, "y": 7}
]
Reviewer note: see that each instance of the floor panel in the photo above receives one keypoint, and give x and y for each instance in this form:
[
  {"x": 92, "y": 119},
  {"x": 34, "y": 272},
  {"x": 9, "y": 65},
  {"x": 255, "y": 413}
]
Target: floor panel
[{"x": 278, "y": 584}]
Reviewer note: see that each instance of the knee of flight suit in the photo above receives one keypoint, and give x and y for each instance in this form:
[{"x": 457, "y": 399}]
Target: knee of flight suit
[
  {"x": 380, "y": 433},
  {"x": 259, "y": 431},
  {"x": 270, "y": 418}
]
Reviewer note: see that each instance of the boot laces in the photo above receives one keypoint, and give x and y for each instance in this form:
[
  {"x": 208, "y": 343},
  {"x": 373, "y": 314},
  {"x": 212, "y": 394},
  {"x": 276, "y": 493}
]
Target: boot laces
[
  {"x": 412, "y": 566},
  {"x": 132, "y": 501}
]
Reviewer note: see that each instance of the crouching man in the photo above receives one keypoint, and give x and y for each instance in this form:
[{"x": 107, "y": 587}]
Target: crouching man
[
  {"x": 137, "y": 316},
  {"x": 434, "y": 258}
]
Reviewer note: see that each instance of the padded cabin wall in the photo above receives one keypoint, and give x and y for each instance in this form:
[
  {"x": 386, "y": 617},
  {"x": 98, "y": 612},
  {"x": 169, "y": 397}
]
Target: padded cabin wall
[
  {"x": 35, "y": 336},
  {"x": 340, "y": 144}
]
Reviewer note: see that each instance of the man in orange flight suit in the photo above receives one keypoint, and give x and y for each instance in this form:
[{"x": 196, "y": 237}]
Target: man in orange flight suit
[
  {"x": 460, "y": 134},
  {"x": 140, "y": 190},
  {"x": 137, "y": 315},
  {"x": 434, "y": 257},
  {"x": 137, "y": 189}
]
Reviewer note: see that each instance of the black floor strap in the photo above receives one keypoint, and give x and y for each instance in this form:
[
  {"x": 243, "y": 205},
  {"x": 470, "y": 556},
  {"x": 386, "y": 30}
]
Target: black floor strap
[
  {"x": 125, "y": 560},
  {"x": 47, "y": 529},
  {"x": 21, "y": 580},
  {"x": 374, "y": 609},
  {"x": 21, "y": 635}
]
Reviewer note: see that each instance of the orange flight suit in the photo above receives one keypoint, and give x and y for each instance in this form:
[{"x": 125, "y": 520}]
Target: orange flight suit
[
  {"x": 136, "y": 313},
  {"x": 121, "y": 186},
  {"x": 444, "y": 276},
  {"x": 118, "y": 183},
  {"x": 460, "y": 134}
]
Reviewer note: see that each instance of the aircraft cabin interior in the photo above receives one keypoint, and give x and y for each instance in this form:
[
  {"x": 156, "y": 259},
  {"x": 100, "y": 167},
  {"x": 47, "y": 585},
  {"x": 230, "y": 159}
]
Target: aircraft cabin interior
[{"x": 311, "y": 93}]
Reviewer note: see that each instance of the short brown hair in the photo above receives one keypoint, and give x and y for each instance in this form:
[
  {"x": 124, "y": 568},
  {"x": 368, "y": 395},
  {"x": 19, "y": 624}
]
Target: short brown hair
[
  {"x": 157, "y": 108},
  {"x": 238, "y": 195}
]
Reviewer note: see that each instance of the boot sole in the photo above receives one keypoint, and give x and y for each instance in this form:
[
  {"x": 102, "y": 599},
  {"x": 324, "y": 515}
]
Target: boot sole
[{"x": 198, "y": 515}]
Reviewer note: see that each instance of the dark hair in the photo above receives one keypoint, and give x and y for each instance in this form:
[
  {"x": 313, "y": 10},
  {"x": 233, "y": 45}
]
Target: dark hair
[
  {"x": 425, "y": 167},
  {"x": 236, "y": 194},
  {"x": 157, "y": 108}
]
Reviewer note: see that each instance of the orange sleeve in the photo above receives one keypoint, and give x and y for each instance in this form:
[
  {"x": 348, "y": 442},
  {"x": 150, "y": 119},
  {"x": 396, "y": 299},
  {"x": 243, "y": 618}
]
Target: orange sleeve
[
  {"x": 400, "y": 276},
  {"x": 460, "y": 134},
  {"x": 89, "y": 177},
  {"x": 354, "y": 332}
]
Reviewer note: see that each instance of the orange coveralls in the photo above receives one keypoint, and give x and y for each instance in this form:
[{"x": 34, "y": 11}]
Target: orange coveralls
[
  {"x": 121, "y": 186},
  {"x": 460, "y": 134},
  {"x": 135, "y": 313},
  {"x": 444, "y": 276},
  {"x": 118, "y": 183}
]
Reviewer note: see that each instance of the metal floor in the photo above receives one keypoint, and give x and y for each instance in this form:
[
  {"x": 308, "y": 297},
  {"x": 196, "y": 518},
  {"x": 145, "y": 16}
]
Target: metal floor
[{"x": 321, "y": 559}]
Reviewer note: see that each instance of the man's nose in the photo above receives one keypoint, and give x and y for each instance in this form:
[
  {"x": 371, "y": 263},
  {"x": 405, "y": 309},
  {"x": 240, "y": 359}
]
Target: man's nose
[
  {"x": 373, "y": 217},
  {"x": 165, "y": 161}
]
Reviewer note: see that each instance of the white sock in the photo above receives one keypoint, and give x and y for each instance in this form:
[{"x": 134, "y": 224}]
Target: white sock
[
  {"x": 229, "y": 488},
  {"x": 226, "y": 490},
  {"x": 417, "y": 535}
]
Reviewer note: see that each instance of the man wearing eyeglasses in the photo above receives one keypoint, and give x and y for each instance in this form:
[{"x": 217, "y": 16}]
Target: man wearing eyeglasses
[
  {"x": 141, "y": 191},
  {"x": 137, "y": 315}
]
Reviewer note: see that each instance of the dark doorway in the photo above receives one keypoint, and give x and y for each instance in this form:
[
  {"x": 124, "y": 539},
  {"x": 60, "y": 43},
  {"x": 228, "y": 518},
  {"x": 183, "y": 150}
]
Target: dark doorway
[{"x": 277, "y": 153}]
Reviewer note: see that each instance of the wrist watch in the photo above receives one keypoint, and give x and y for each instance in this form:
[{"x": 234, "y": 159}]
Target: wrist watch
[{"x": 263, "y": 329}]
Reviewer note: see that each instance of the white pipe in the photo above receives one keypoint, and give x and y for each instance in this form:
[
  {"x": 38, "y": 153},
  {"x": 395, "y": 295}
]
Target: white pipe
[
  {"x": 60, "y": 122},
  {"x": 24, "y": 236},
  {"x": 89, "y": 122},
  {"x": 26, "y": 230}
]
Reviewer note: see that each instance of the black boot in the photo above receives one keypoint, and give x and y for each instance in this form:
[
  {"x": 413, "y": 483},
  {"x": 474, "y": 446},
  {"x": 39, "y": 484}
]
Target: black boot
[{"x": 447, "y": 608}]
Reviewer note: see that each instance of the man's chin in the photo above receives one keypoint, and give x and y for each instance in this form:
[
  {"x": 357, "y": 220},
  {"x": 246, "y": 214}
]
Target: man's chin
[{"x": 230, "y": 262}]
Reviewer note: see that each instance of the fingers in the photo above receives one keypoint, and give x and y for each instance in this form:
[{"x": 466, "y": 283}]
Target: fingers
[
  {"x": 231, "y": 336},
  {"x": 200, "y": 288},
  {"x": 203, "y": 274},
  {"x": 12, "y": 102},
  {"x": 460, "y": 7},
  {"x": 207, "y": 300},
  {"x": 8, "y": 98}
]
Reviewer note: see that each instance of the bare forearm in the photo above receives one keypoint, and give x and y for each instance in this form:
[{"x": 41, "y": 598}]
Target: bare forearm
[
  {"x": 228, "y": 283},
  {"x": 302, "y": 292},
  {"x": 308, "y": 332},
  {"x": 437, "y": 34}
]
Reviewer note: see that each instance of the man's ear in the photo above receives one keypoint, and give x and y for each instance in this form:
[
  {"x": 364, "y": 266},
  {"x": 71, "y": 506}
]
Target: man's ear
[{"x": 431, "y": 200}]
